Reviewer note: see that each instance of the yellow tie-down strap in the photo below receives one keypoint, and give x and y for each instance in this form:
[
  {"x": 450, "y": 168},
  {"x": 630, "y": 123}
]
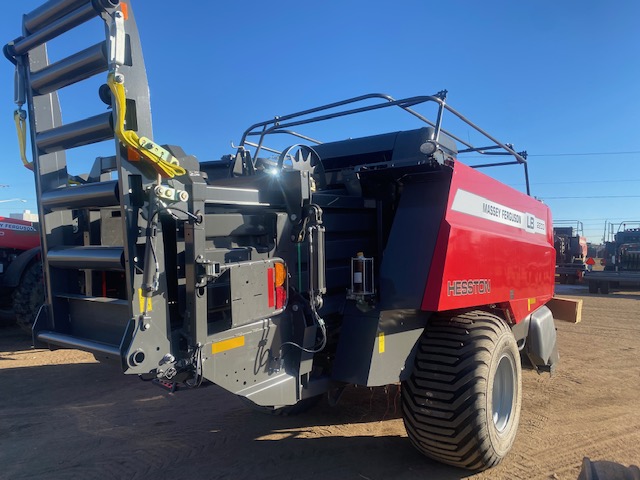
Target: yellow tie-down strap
[
  {"x": 19, "y": 118},
  {"x": 163, "y": 162},
  {"x": 21, "y": 130}
]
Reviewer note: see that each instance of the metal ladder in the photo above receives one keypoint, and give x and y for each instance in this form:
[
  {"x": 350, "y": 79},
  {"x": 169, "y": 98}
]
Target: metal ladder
[{"x": 93, "y": 231}]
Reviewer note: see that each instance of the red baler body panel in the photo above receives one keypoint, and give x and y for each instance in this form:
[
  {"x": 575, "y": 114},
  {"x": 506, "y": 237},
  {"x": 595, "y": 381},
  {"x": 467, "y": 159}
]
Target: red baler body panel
[
  {"x": 494, "y": 246},
  {"x": 18, "y": 234}
]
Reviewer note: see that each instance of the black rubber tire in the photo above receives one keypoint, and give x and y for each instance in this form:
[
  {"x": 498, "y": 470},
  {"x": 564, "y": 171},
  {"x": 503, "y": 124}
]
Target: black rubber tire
[
  {"x": 28, "y": 296},
  {"x": 447, "y": 403},
  {"x": 593, "y": 286},
  {"x": 604, "y": 287},
  {"x": 289, "y": 410}
]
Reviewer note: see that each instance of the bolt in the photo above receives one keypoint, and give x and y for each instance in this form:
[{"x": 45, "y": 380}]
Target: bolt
[
  {"x": 119, "y": 78},
  {"x": 293, "y": 217},
  {"x": 168, "y": 358},
  {"x": 146, "y": 326},
  {"x": 184, "y": 196},
  {"x": 295, "y": 308}
]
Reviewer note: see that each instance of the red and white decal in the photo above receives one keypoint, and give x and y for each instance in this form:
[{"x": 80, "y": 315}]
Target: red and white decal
[
  {"x": 17, "y": 227},
  {"x": 472, "y": 204}
]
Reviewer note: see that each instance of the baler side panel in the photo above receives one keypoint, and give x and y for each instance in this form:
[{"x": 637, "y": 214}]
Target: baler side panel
[{"x": 497, "y": 248}]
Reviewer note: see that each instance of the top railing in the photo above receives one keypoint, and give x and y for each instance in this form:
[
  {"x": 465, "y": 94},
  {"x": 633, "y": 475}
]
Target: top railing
[
  {"x": 576, "y": 225},
  {"x": 284, "y": 124},
  {"x": 611, "y": 229}
]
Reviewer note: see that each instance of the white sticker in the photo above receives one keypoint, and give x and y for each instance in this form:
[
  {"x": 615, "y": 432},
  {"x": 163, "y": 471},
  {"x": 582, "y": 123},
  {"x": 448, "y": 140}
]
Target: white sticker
[
  {"x": 472, "y": 204},
  {"x": 16, "y": 227}
]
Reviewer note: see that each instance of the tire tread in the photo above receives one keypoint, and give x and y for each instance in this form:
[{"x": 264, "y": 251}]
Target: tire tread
[{"x": 441, "y": 400}]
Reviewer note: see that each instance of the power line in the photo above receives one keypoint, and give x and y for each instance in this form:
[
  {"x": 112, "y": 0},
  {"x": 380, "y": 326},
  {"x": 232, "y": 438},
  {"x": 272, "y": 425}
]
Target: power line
[
  {"x": 544, "y": 197},
  {"x": 585, "y": 154},
  {"x": 586, "y": 181},
  {"x": 576, "y": 182},
  {"x": 608, "y": 218},
  {"x": 568, "y": 154}
]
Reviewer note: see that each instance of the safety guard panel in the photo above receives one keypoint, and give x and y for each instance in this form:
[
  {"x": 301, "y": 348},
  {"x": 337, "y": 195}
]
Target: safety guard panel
[{"x": 495, "y": 246}]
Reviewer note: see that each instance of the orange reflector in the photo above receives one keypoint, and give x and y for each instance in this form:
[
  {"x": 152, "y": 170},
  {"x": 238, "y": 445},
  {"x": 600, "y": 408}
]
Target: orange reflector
[
  {"x": 132, "y": 155},
  {"x": 124, "y": 8},
  {"x": 281, "y": 274}
]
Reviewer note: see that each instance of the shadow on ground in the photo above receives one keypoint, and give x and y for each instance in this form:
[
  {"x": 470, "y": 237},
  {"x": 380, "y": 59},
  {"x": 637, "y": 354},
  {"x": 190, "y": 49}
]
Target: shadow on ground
[{"x": 90, "y": 421}]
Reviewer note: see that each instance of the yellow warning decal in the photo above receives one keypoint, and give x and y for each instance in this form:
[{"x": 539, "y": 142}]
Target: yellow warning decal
[
  {"x": 381, "y": 342},
  {"x": 142, "y": 298},
  {"x": 531, "y": 301},
  {"x": 225, "y": 345}
]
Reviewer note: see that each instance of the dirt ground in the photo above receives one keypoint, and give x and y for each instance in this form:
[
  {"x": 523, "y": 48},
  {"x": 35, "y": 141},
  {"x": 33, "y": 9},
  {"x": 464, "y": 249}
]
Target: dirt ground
[{"x": 64, "y": 416}]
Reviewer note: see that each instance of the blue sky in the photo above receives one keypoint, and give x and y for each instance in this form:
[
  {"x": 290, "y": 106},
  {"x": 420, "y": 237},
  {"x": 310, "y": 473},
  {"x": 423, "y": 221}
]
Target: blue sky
[{"x": 557, "y": 79}]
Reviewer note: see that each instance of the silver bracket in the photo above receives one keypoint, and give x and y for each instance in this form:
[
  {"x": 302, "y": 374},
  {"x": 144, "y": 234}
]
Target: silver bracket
[
  {"x": 116, "y": 41},
  {"x": 206, "y": 271},
  {"x": 19, "y": 94}
]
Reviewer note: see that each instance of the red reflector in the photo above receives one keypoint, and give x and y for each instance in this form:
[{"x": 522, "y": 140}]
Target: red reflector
[
  {"x": 281, "y": 297},
  {"x": 271, "y": 276}
]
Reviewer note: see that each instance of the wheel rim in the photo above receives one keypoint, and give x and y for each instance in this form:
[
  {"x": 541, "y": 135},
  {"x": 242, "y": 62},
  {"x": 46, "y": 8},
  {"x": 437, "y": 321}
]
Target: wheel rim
[{"x": 503, "y": 393}]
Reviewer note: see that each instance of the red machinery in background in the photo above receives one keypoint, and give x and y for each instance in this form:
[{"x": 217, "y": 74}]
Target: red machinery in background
[
  {"x": 21, "y": 288},
  {"x": 571, "y": 250}
]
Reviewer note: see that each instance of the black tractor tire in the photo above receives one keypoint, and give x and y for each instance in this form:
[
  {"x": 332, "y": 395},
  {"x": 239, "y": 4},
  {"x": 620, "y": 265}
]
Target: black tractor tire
[
  {"x": 461, "y": 404},
  {"x": 28, "y": 296},
  {"x": 286, "y": 411},
  {"x": 593, "y": 286}
]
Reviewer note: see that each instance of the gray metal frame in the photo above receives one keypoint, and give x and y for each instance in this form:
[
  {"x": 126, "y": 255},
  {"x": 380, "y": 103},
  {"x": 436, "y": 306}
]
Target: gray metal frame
[{"x": 189, "y": 258}]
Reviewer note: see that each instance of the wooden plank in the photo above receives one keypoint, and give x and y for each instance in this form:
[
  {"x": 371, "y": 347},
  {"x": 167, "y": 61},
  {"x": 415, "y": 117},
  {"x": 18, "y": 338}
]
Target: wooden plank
[{"x": 566, "y": 309}]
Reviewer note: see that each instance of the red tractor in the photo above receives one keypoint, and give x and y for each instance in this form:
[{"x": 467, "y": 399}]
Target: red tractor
[{"x": 21, "y": 285}]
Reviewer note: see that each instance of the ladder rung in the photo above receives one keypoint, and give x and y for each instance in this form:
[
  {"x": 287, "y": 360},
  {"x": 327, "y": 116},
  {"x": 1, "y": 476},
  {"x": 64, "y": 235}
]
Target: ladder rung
[
  {"x": 50, "y": 29},
  {"x": 68, "y": 341},
  {"x": 77, "y": 67},
  {"x": 49, "y": 12},
  {"x": 84, "y": 132},
  {"x": 98, "y": 319},
  {"x": 89, "y": 195},
  {"x": 87, "y": 258},
  {"x": 72, "y": 297}
]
